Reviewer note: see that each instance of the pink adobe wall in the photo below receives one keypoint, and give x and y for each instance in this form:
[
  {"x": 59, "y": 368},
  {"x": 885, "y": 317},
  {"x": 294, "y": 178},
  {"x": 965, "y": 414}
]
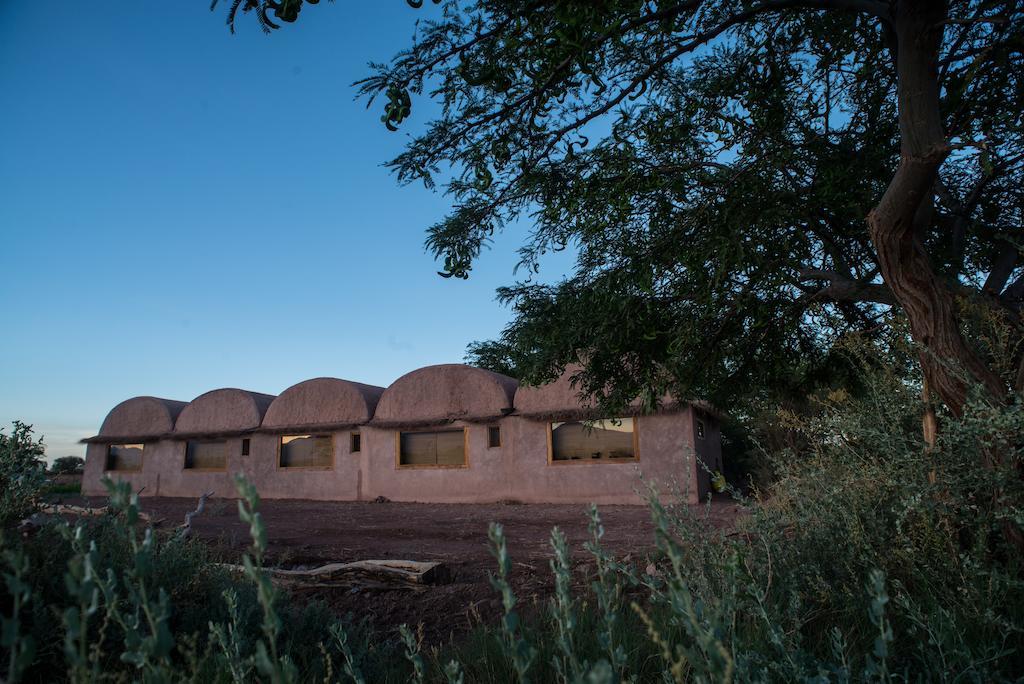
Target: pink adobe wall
[
  {"x": 163, "y": 472},
  {"x": 517, "y": 470},
  {"x": 486, "y": 479},
  {"x": 341, "y": 482},
  {"x": 665, "y": 449}
]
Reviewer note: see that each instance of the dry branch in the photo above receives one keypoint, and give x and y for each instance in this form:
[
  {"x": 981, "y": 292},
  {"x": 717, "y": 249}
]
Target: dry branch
[
  {"x": 366, "y": 574},
  {"x": 83, "y": 511},
  {"x": 186, "y": 529}
]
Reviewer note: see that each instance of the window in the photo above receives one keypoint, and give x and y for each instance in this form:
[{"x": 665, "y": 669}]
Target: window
[
  {"x": 700, "y": 429},
  {"x": 355, "y": 442},
  {"x": 206, "y": 454},
  {"x": 125, "y": 457},
  {"x": 306, "y": 451},
  {"x": 612, "y": 439},
  {"x": 245, "y": 446},
  {"x": 442, "y": 448},
  {"x": 493, "y": 437}
]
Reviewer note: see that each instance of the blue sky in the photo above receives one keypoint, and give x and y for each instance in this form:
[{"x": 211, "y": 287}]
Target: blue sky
[{"x": 183, "y": 209}]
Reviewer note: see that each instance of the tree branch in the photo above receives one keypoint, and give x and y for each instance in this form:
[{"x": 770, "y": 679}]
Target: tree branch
[{"x": 843, "y": 289}]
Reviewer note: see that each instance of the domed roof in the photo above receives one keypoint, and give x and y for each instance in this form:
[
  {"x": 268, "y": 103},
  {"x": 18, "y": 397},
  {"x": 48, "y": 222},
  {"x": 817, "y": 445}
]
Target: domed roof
[
  {"x": 222, "y": 412},
  {"x": 322, "y": 403},
  {"x": 139, "y": 419},
  {"x": 441, "y": 394}
]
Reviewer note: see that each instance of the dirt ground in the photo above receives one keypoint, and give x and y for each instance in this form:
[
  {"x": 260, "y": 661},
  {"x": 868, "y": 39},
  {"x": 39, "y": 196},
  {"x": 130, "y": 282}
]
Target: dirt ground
[{"x": 310, "y": 533}]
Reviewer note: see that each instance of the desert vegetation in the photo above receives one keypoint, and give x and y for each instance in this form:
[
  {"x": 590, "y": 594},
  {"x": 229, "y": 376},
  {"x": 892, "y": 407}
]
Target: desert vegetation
[{"x": 869, "y": 557}]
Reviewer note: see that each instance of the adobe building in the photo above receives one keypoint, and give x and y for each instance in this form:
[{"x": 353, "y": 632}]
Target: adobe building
[{"x": 443, "y": 434}]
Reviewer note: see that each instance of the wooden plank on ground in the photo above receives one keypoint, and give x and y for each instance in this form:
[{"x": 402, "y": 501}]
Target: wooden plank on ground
[{"x": 365, "y": 574}]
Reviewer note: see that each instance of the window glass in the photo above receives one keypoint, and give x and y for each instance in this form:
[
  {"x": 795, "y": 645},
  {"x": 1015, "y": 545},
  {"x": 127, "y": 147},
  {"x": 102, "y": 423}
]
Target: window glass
[
  {"x": 593, "y": 440},
  {"x": 493, "y": 437},
  {"x": 355, "y": 442},
  {"x": 125, "y": 457},
  {"x": 306, "y": 451},
  {"x": 446, "y": 447},
  {"x": 206, "y": 454}
]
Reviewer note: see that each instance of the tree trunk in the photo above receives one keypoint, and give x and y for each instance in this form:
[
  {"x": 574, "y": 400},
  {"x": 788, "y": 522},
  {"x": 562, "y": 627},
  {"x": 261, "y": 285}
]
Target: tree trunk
[{"x": 947, "y": 360}]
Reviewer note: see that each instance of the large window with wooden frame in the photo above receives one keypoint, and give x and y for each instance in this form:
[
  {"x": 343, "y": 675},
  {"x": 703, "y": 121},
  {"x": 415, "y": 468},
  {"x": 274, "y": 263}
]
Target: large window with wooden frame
[
  {"x": 438, "y": 449},
  {"x": 125, "y": 458},
  {"x": 206, "y": 454},
  {"x": 306, "y": 451},
  {"x": 588, "y": 441}
]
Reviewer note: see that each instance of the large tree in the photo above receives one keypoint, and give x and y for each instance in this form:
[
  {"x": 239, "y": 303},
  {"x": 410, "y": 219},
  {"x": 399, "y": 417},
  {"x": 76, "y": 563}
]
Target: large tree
[{"x": 741, "y": 179}]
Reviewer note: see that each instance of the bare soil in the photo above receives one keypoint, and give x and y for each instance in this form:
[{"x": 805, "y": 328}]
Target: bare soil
[{"x": 311, "y": 533}]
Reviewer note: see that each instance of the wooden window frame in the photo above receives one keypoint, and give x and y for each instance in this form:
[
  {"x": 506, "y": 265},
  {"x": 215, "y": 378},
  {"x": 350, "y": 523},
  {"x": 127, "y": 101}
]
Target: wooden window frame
[
  {"x": 427, "y": 466},
  {"x": 594, "y": 461},
  {"x": 246, "y": 449},
  {"x": 353, "y": 437},
  {"x": 280, "y": 443},
  {"x": 499, "y": 444},
  {"x": 184, "y": 457},
  {"x": 106, "y": 459}
]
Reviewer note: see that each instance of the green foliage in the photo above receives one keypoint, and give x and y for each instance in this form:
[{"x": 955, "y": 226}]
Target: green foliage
[
  {"x": 68, "y": 465},
  {"x": 65, "y": 488},
  {"x": 869, "y": 559},
  {"x": 104, "y": 599},
  {"x": 22, "y": 473},
  {"x": 20, "y": 648},
  {"x": 711, "y": 164},
  {"x": 518, "y": 651}
]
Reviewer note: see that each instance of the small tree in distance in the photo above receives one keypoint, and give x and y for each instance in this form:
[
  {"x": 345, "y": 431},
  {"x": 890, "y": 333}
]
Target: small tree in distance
[{"x": 68, "y": 465}]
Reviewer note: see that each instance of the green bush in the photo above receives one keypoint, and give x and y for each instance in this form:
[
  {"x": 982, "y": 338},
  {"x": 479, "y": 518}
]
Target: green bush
[
  {"x": 22, "y": 473},
  {"x": 63, "y": 488}
]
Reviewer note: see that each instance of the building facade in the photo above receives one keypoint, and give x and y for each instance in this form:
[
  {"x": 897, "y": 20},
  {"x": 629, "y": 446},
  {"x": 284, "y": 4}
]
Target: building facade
[{"x": 443, "y": 434}]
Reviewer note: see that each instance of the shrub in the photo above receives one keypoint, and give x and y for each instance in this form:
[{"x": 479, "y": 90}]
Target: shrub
[{"x": 22, "y": 473}]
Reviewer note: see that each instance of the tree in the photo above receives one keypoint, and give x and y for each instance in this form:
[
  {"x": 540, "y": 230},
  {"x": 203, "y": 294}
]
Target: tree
[
  {"x": 68, "y": 465},
  {"x": 742, "y": 180}
]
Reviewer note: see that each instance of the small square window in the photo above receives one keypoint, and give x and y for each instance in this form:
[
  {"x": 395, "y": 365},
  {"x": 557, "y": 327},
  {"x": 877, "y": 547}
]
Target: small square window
[
  {"x": 493, "y": 437},
  {"x": 700, "y": 429},
  {"x": 355, "y": 443},
  {"x": 245, "y": 446}
]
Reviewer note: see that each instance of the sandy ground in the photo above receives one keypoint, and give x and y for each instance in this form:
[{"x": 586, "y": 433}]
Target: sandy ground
[{"x": 309, "y": 533}]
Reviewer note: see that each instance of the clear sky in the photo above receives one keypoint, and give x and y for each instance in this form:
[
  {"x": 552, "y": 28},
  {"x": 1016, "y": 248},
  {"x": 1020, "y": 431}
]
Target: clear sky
[{"x": 182, "y": 209}]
